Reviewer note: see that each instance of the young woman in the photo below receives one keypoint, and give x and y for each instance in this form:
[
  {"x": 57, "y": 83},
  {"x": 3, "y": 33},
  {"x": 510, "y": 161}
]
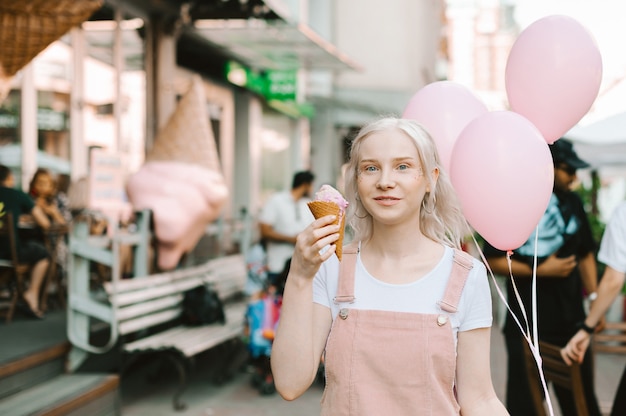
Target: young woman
[
  {"x": 43, "y": 190},
  {"x": 404, "y": 320}
]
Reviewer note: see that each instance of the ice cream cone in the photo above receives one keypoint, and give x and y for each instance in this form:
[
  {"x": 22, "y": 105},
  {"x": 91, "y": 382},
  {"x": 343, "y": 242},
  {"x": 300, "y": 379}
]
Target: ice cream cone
[
  {"x": 187, "y": 136},
  {"x": 323, "y": 208}
]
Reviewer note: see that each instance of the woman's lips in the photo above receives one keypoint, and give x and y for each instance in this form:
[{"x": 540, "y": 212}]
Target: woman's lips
[{"x": 386, "y": 200}]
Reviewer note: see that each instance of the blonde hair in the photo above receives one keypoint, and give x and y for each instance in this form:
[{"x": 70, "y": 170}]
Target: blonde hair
[{"x": 441, "y": 218}]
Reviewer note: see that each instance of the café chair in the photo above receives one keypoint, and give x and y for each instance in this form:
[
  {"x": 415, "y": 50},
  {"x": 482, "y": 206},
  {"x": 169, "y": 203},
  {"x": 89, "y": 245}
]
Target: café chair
[
  {"x": 12, "y": 272},
  {"x": 555, "y": 370}
]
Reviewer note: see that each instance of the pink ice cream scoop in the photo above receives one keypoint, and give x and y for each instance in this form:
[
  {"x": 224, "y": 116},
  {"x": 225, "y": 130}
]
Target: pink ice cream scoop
[
  {"x": 329, "y": 194},
  {"x": 329, "y": 201}
]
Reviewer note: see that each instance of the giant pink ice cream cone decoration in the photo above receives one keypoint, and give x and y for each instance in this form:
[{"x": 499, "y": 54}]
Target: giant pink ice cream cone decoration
[{"x": 181, "y": 181}]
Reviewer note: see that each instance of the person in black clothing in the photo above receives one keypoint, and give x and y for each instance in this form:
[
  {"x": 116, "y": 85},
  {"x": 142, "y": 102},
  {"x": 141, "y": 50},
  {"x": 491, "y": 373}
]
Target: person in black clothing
[
  {"x": 29, "y": 251},
  {"x": 566, "y": 266}
]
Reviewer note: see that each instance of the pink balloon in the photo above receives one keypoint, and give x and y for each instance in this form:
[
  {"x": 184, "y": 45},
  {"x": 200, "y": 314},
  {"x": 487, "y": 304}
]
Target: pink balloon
[
  {"x": 444, "y": 108},
  {"x": 503, "y": 174},
  {"x": 553, "y": 74}
]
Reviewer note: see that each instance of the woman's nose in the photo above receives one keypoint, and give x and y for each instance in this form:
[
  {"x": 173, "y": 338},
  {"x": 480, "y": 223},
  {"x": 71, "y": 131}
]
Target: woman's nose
[{"x": 386, "y": 180}]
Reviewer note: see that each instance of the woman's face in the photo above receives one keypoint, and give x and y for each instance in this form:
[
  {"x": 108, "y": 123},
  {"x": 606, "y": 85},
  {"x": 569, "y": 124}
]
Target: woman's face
[
  {"x": 391, "y": 183},
  {"x": 44, "y": 186}
]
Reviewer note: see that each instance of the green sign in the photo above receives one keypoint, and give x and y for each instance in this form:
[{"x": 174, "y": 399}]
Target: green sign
[
  {"x": 273, "y": 85},
  {"x": 281, "y": 85},
  {"x": 279, "y": 88}
]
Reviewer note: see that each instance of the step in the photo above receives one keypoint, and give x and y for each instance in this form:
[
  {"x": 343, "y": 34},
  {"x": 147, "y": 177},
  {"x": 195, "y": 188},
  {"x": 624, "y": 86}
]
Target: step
[
  {"x": 23, "y": 372},
  {"x": 67, "y": 394}
]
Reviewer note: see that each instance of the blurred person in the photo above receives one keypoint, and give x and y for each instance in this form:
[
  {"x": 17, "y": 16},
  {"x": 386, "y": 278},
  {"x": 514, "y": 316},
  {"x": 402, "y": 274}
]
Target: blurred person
[
  {"x": 62, "y": 196},
  {"x": 403, "y": 321},
  {"x": 43, "y": 190},
  {"x": 282, "y": 218},
  {"x": 613, "y": 254},
  {"x": 32, "y": 252},
  {"x": 566, "y": 266}
]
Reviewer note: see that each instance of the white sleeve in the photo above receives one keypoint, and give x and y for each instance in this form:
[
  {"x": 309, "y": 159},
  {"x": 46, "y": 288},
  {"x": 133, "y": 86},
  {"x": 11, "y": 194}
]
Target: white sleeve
[
  {"x": 613, "y": 246},
  {"x": 269, "y": 212},
  {"x": 475, "y": 304}
]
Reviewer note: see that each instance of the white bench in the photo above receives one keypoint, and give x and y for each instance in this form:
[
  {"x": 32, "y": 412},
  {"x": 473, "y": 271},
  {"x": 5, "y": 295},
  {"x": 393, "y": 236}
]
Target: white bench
[
  {"x": 145, "y": 305},
  {"x": 142, "y": 314}
]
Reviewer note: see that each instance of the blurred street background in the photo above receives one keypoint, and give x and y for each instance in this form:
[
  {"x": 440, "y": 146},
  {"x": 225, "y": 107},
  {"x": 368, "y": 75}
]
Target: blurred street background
[{"x": 167, "y": 124}]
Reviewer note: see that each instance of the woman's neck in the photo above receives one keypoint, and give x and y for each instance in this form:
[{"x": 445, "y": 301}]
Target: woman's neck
[{"x": 397, "y": 242}]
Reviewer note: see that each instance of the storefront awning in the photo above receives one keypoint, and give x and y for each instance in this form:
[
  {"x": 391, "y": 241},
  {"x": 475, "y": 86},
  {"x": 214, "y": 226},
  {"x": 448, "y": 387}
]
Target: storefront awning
[{"x": 276, "y": 45}]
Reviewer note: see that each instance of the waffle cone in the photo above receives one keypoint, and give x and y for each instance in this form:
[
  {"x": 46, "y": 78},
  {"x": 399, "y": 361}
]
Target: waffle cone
[
  {"x": 187, "y": 136},
  {"x": 323, "y": 208}
]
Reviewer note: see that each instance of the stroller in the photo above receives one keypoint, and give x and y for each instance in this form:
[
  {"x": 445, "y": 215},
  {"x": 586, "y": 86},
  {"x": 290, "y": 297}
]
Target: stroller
[{"x": 262, "y": 317}]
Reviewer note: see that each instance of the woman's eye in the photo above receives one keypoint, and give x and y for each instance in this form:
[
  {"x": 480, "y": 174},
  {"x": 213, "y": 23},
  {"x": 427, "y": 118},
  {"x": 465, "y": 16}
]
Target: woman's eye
[{"x": 370, "y": 169}]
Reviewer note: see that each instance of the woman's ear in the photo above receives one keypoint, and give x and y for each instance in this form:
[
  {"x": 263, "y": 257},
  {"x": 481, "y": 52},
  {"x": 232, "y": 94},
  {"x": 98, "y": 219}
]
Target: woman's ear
[{"x": 434, "y": 175}]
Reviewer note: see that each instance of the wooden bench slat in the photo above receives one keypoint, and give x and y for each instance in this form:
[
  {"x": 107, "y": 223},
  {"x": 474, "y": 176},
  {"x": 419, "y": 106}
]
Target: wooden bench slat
[
  {"x": 148, "y": 321},
  {"x": 157, "y": 291},
  {"x": 138, "y": 283},
  {"x": 195, "y": 338},
  {"x": 222, "y": 268},
  {"x": 226, "y": 333},
  {"x": 139, "y": 309}
]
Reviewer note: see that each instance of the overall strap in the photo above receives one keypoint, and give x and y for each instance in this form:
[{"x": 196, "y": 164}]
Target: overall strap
[
  {"x": 461, "y": 267},
  {"x": 345, "y": 288}
]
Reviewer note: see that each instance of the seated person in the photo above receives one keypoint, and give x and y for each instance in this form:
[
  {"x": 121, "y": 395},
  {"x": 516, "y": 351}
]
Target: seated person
[
  {"x": 43, "y": 190},
  {"x": 29, "y": 251}
]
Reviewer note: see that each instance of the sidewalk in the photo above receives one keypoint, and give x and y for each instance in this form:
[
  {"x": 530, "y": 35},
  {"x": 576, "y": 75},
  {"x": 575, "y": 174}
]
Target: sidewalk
[{"x": 237, "y": 398}]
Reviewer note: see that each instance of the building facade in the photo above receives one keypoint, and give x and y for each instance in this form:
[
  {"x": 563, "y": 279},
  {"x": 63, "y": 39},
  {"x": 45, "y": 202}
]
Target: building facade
[{"x": 287, "y": 83}]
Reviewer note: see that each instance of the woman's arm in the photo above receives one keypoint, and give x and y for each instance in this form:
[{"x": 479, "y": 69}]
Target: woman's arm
[
  {"x": 51, "y": 210},
  {"x": 268, "y": 233},
  {"x": 589, "y": 272},
  {"x": 303, "y": 326},
  {"x": 473, "y": 373},
  {"x": 610, "y": 286}
]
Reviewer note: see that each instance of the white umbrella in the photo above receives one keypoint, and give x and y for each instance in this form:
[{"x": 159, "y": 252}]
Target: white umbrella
[{"x": 602, "y": 143}]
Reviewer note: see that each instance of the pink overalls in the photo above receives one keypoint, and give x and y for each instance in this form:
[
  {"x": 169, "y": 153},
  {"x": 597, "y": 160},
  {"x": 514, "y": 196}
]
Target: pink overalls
[{"x": 392, "y": 363}]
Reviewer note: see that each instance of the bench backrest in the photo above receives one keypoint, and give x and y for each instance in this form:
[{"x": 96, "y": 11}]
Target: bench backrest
[{"x": 148, "y": 301}]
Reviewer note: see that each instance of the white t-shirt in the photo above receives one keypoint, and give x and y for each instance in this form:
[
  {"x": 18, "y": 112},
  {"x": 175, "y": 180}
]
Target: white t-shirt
[
  {"x": 287, "y": 217},
  {"x": 613, "y": 246},
  {"x": 421, "y": 296}
]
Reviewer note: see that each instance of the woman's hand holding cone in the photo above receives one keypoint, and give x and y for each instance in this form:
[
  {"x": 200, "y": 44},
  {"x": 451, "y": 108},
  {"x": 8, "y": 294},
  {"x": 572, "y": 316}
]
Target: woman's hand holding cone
[
  {"x": 308, "y": 255},
  {"x": 322, "y": 208},
  {"x": 328, "y": 201}
]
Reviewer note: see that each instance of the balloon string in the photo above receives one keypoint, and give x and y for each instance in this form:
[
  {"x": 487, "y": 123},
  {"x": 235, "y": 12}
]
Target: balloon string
[{"x": 533, "y": 343}]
